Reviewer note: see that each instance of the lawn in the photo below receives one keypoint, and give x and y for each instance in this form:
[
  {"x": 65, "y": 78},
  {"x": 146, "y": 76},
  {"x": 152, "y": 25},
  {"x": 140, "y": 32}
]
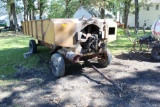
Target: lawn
[
  {"x": 13, "y": 46},
  {"x": 123, "y": 44}
]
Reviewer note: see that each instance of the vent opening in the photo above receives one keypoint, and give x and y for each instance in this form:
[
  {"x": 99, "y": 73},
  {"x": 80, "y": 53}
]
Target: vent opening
[{"x": 111, "y": 30}]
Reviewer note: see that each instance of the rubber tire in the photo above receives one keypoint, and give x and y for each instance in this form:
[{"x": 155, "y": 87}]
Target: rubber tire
[
  {"x": 105, "y": 62},
  {"x": 155, "y": 53},
  {"x": 58, "y": 65},
  {"x": 32, "y": 46}
]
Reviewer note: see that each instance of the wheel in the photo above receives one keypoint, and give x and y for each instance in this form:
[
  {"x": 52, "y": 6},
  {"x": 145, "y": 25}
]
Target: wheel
[
  {"x": 58, "y": 65},
  {"x": 32, "y": 46},
  {"x": 155, "y": 53},
  {"x": 106, "y": 59}
]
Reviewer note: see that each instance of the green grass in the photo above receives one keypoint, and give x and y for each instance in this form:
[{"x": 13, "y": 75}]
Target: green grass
[
  {"x": 123, "y": 44},
  {"x": 12, "y": 48}
]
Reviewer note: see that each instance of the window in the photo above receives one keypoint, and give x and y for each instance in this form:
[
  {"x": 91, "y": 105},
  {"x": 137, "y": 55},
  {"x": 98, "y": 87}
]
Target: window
[
  {"x": 157, "y": 7},
  {"x": 147, "y": 8}
]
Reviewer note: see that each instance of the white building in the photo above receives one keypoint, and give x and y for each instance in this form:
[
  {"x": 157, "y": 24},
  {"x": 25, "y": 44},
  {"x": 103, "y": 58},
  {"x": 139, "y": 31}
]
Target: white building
[
  {"x": 88, "y": 12},
  {"x": 147, "y": 14}
]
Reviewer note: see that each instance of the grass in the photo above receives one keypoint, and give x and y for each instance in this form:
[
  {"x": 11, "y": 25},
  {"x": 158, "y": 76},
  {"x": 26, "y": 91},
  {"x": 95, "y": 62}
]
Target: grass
[
  {"x": 123, "y": 44},
  {"x": 12, "y": 48}
]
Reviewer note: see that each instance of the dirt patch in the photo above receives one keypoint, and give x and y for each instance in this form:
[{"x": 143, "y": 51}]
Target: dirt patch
[
  {"x": 139, "y": 56},
  {"x": 136, "y": 73}
]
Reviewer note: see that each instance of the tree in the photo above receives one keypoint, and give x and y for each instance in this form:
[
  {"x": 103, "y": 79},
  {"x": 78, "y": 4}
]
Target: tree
[
  {"x": 42, "y": 7},
  {"x": 57, "y": 9},
  {"x": 67, "y": 3},
  {"x": 136, "y": 16},
  {"x": 31, "y": 9},
  {"x": 127, "y": 5},
  {"x": 11, "y": 9},
  {"x": 25, "y": 3}
]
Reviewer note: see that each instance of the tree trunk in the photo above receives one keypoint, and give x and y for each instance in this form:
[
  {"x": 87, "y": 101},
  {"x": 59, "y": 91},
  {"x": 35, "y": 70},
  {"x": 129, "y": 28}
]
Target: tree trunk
[
  {"x": 33, "y": 14},
  {"x": 41, "y": 5},
  {"x": 41, "y": 11},
  {"x": 126, "y": 12},
  {"x": 102, "y": 13},
  {"x": 11, "y": 20},
  {"x": 10, "y": 13},
  {"x": 67, "y": 10},
  {"x": 14, "y": 16},
  {"x": 30, "y": 15},
  {"x": 136, "y": 16},
  {"x": 25, "y": 9}
]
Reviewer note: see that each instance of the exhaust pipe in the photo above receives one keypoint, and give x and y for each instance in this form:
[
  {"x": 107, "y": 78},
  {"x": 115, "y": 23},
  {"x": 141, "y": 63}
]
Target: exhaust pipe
[{"x": 71, "y": 56}]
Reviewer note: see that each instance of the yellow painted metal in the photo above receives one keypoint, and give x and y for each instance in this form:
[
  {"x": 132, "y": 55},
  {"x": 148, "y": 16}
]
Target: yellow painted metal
[
  {"x": 24, "y": 27},
  {"x": 58, "y": 32},
  {"x": 34, "y": 28},
  {"x": 61, "y": 32},
  {"x": 64, "y": 32},
  {"x": 49, "y": 33},
  {"x": 30, "y": 28}
]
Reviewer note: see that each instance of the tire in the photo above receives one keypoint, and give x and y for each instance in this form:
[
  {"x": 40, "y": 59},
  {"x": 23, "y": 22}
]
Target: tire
[
  {"x": 155, "y": 53},
  {"x": 58, "y": 65},
  {"x": 104, "y": 62},
  {"x": 32, "y": 46}
]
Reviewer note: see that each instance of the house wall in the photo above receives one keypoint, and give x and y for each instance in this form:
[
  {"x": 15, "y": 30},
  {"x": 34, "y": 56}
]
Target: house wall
[
  {"x": 81, "y": 12},
  {"x": 148, "y": 16}
]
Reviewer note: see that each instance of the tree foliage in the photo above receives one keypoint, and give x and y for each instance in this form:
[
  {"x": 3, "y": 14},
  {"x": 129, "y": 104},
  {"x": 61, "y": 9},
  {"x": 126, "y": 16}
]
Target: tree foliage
[
  {"x": 42, "y": 4},
  {"x": 127, "y": 5},
  {"x": 57, "y": 9},
  {"x": 66, "y": 8},
  {"x": 136, "y": 15}
]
